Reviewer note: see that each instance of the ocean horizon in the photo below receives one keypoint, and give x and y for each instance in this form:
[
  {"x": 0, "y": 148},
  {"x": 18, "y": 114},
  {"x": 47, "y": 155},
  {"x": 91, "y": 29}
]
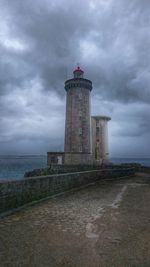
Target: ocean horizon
[{"x": 13, "y": 167}]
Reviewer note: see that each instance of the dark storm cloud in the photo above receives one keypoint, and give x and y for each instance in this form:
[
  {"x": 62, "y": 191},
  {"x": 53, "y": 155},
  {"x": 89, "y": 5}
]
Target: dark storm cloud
[
  {"x": 52, "y": 34},
  {"x": 57, "y": 35},
  {"x": 40, "y": 43},
  {"x": 123, "y": 41}
]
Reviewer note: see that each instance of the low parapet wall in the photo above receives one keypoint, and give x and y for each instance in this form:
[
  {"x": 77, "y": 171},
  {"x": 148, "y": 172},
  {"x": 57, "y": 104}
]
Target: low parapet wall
[{"x": 14, "y": 194}]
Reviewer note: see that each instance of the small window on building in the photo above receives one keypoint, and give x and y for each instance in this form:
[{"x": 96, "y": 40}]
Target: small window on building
[
  {"x": 97, "y": 122},
  {"x": 97, "y": 132},
  {"x": 97, "y": 129}
]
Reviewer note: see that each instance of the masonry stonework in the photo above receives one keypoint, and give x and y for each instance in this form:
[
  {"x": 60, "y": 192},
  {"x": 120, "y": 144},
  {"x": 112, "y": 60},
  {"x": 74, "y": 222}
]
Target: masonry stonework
[
  {"x": 78, "y": 126},
  {"x": 16, "y": 193}
]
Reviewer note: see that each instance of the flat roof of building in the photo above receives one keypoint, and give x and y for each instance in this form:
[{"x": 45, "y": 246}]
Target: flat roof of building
[
  {"x": 54, "y": 153},
  {"x": 102, "y": 118}
]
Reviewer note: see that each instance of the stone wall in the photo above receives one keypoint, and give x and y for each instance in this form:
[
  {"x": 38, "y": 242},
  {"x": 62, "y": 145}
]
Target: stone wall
[
  {"x": 76, "y": 158},
  {"x": 14, "y": 194},
  {"x": 56, "y": 158}
]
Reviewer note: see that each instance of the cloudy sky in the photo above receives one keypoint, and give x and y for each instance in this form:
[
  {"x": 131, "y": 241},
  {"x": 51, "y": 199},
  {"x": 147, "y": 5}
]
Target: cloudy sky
[{"x": 40, "y": 44}]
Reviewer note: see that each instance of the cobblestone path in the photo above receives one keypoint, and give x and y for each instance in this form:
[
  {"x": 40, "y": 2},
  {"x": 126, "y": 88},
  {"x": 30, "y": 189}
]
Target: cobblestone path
[{"x": 97, "y": 226}]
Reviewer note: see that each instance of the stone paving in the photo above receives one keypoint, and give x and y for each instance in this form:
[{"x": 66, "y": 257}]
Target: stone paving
[{"x": 96, "y": 226}]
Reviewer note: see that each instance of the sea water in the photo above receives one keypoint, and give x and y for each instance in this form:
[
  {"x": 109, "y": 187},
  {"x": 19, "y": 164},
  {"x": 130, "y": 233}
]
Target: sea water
[
  {"x": 14, "y": 167},
  {"x": 143, "y": 161}
]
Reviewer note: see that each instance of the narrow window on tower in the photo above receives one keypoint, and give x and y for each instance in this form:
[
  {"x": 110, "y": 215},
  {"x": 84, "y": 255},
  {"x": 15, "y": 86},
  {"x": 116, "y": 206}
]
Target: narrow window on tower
[
  {"x": 80, "y": 114},
  {"x": 80, "y": 95},
  {"x": 80, "y": 130},
  {"x": 97, "y": 132},
  {"x": 80, "y": 149}
]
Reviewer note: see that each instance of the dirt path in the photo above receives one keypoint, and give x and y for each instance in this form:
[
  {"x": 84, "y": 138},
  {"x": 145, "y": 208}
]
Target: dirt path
[{"x": 98, "y": 226}]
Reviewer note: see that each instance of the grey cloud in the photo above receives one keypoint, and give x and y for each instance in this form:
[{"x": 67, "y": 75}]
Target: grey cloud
[{"x": 54, "y": 34}]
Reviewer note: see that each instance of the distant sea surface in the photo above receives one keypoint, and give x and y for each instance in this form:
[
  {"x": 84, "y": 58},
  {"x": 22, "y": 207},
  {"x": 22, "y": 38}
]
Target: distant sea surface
[
  {"x": 143, "y": 161},
  {"x": 14, "y": 167}
]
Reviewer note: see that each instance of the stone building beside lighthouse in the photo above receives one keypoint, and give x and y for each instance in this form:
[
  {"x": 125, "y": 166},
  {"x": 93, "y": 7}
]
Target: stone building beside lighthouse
[
  {"x": 86, "y": 138},
  {"x": 100, "y": 152}
]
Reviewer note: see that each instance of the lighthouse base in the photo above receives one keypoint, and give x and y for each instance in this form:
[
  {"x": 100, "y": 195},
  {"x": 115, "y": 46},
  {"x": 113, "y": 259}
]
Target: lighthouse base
[{"x": 78, "y": 158}]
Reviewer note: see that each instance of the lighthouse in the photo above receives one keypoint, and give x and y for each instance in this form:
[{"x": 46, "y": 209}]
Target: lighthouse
[
  {"x": 86, "y": 137},
  {"x": 78, "y": 119}
]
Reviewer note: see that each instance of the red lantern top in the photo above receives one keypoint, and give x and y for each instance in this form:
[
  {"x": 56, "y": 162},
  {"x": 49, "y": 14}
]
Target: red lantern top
[
  {"x": 78, "y": 70},
  {"x": 78, "y": 73}
]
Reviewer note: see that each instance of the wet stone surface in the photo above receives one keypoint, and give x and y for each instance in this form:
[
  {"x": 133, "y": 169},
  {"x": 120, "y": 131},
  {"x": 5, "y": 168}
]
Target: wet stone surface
[{"x": 100, "y": 225}]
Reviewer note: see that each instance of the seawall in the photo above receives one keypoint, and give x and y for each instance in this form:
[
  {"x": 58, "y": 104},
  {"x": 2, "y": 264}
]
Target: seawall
[{"x": 14, "y": 194}]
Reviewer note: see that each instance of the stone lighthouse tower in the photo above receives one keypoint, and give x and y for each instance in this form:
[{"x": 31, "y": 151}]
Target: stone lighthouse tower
[{"x": 78, "y": 119}]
